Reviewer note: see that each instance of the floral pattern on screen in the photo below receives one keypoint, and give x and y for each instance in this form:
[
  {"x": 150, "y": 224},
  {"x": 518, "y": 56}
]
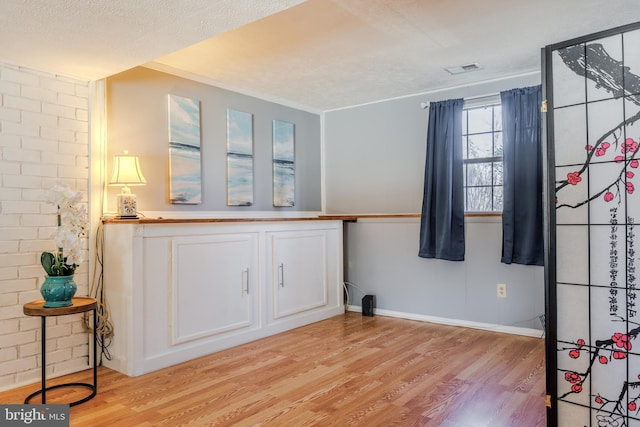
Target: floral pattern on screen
[{"x": 596, "y": 116}]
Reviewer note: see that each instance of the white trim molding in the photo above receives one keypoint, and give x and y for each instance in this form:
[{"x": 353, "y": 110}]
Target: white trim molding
[{"x": 514, "y": 330}]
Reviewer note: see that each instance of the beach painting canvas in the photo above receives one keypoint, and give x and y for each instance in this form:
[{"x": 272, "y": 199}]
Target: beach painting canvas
[
  {"x": 185, "y": 177},
  {"x": 239, "y": 158},
  {"x": 283, "y": 164}
]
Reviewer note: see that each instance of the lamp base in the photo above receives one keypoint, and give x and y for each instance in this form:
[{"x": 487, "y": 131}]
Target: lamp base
[{"x": 127, "y": 206}]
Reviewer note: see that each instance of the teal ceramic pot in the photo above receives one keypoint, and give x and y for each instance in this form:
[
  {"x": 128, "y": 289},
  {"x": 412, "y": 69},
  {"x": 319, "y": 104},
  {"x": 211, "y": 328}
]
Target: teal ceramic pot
[{"x": 57, "y": 291}]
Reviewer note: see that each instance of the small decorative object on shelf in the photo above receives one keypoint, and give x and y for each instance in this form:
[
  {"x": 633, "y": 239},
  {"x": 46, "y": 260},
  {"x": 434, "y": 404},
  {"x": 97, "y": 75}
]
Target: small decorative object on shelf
[{"x": 59, "y": 287}]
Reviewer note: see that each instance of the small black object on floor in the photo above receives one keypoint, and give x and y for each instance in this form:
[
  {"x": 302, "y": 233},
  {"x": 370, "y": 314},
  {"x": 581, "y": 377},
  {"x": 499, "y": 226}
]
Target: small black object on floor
[{"x": 368, "y": 304}]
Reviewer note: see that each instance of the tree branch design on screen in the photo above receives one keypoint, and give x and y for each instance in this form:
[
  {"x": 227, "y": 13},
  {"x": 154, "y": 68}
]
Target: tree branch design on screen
[
  {"x": 619, "y": 152},
  {"x": 610, "y": 75},
  {"x": 606, "y": 351}
]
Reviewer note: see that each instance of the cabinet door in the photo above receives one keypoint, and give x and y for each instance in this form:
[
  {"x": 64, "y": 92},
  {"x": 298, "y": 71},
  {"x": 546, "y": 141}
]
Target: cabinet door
[
  {"x": 299, "y": 271},
  {"x": 213, "y": 286}
]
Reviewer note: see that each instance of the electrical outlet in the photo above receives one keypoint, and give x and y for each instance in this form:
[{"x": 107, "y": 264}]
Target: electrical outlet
[{"x": 502, "y": 290}]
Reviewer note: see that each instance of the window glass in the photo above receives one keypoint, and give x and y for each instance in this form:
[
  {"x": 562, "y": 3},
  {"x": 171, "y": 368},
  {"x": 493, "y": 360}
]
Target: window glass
[
  {"x": 480, "y": 146},
  {"x": 482, "y": 154},
  {"x": 497, "y": 143},
  {"x": 479, "y": 199},
  {"x": 464, "y": 146},
  {"x": 497, "y": 174},
  {"x": 479, "y": 174},
  {"x": 497, "y": 198},
  {"x": 497, "y": 117},
  {"x": 480, "y": 120}
]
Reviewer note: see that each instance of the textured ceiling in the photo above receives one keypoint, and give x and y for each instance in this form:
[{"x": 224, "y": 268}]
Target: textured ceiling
[
  {"x": 92, "y": 39},
  {"x": 316, "y": 54}
]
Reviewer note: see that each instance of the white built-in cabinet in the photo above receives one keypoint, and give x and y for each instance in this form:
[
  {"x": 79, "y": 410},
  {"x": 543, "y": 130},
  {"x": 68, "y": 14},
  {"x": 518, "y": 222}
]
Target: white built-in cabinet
[
  {"x": 298, "y": 273},
  {"x": 177, "y": 291}
]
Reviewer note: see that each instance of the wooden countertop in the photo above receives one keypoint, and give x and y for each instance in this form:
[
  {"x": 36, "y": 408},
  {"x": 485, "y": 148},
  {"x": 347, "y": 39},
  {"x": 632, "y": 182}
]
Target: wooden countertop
[
  {"x": 161, "y": 220},
  {"x": 337, "y": 217}
]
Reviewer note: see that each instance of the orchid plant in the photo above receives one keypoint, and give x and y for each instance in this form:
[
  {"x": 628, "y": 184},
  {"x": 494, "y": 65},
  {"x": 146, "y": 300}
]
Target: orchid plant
[{"x": 72, "y": 223}]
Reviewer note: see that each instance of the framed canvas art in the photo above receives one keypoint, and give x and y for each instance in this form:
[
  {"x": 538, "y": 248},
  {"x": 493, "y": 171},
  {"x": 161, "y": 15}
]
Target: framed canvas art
[
  {"x": 185, "y": 176},
  {"x": 284, "y": 171},
  {"x": 239, "y": 158}
]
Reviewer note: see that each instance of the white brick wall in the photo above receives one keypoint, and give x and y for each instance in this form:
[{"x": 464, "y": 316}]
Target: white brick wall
[{"x": 43, "y": 140}]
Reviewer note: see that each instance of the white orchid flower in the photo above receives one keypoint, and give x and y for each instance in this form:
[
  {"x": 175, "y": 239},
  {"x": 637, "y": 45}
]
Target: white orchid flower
[{"x": 72, "y": 224}]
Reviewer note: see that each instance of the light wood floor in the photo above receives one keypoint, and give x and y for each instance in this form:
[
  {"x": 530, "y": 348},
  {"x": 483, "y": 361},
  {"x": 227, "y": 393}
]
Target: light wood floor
[{"x": 346, "y": 371}]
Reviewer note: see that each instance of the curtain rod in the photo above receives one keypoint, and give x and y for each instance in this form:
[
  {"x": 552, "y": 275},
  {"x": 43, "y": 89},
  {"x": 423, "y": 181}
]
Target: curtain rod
[{"x": 490, "y": 97}]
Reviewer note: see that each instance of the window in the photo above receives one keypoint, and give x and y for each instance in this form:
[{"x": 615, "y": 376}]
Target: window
[{"x": 482, "y": 158}]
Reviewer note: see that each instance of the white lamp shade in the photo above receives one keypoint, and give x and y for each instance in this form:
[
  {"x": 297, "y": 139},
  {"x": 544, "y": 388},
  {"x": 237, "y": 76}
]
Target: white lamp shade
[{"x": 126, "y": 171}]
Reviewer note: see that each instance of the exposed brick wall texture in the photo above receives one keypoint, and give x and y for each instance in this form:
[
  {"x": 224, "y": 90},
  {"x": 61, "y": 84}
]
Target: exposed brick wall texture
[{"x": 43, "y": 140}]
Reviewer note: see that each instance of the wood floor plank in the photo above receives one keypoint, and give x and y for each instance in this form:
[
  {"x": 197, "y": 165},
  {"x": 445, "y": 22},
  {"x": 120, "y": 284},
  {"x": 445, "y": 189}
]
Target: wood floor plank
[{"x": 349, "y": 370}]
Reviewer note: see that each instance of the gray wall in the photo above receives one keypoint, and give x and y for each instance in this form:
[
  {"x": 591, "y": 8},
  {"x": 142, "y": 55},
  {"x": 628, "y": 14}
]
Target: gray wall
[
  {"x": 381, "y": 259},
  {"x": 375, "y": 153},
  {"x": 137, "y": 121},
  {"x": 374, "y": 158}
]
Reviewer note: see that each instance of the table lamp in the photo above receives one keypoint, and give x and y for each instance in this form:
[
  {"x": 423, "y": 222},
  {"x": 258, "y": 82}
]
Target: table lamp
[{"x": 126, "y": 172}]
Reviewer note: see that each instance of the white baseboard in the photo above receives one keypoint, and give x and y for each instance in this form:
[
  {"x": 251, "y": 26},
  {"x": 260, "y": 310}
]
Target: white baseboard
[{"x": 528, "y": 332}]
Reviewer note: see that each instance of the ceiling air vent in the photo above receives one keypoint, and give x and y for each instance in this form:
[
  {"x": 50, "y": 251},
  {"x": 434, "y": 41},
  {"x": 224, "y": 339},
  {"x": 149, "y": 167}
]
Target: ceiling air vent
[{"x": 463, "y": 68}]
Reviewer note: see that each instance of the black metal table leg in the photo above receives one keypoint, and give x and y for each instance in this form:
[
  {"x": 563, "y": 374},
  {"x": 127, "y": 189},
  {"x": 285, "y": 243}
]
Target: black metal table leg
[{"x": 43, "y": 348}]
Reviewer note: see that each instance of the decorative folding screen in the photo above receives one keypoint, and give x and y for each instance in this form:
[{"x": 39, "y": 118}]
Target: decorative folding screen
[{"x": 593, "y": 274}]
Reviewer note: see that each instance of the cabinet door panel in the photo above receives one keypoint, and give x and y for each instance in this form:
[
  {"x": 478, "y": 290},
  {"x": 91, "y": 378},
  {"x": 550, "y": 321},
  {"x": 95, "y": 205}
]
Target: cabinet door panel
[
  {"x": 299, "y": 272},
  {"x": 212, "y": 285}
]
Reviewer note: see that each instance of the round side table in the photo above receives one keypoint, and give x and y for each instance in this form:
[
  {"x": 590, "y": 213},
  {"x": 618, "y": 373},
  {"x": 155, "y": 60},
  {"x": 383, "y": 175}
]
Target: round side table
[{"x": 80, "y": 305}]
